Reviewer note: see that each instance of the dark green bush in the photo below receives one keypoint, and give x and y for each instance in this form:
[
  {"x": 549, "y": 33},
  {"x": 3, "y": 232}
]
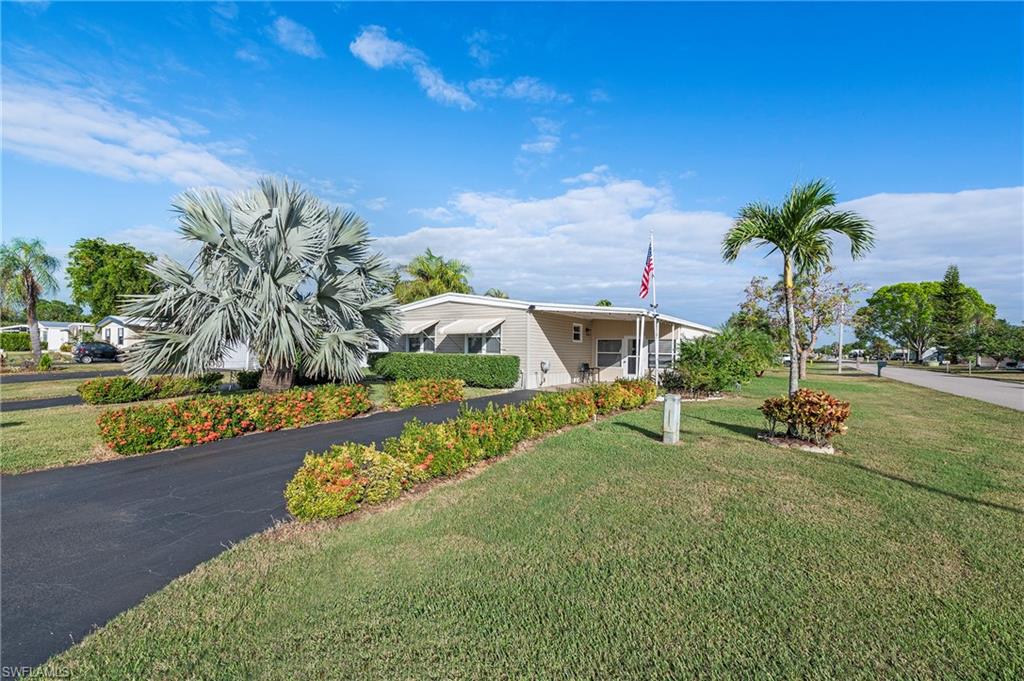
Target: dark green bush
[
  {"x": 15, "y": 342},
  {"x": 124, "y": 389},
  {"x": 484, "y": 371},
  {"x": 249, "y": 380},
  {"x": 713, "y": 364}
]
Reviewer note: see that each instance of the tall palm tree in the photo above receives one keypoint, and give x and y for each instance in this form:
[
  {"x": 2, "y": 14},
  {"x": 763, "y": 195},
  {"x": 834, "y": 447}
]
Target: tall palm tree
[
  {"x": 431, "y": 275},
  {"x": 28, "y": 272},
  {"x": 801, "y": 230},
  {"x": 277, "y": 270}
]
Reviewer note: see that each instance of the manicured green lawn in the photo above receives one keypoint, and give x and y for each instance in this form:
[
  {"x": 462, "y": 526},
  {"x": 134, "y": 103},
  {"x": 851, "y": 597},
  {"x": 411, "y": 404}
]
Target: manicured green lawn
[
  {"x": 44, "y": 438},
  {"x": 35, "y": 390},
  {"x": 603, "y": 554}
]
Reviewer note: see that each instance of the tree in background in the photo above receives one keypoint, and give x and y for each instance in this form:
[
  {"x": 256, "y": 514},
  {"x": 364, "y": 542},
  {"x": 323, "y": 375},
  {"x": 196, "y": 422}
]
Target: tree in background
[
  {"x": 879, "y": 348},
  {"x": 952, "y": 313},
  {"x": 28, "y": 271},
  {"x": 100, "y": 273},
  {"x": 1001, "y": 341},
  {"x": 496, "y": 293},
  {"x": 279, "y": 271},
  {"x": 818, "y": 303},
  {"x": 801, "y": 231},
  {"x": 905, "y": 314},
  {"x": 604, "y": 302},
  {"x": 59, "y": 311},
  {"x": 431, "y": 275}
]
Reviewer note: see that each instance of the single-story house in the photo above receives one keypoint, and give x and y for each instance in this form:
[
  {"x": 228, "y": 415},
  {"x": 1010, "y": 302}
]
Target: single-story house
[
  {"x": 556, "y": 343},
  {"x": 121, "y": 332},
  {"x": 52, "y": 335}
]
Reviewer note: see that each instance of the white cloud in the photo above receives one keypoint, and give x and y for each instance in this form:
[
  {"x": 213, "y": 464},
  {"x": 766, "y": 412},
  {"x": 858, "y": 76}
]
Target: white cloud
[
  {"x": 378, "y": 51},
  {"x": 687, "y": 174},
  {"x": 598, "y": 95},
  {"x": 478, "y": 41},
  {"x": 295, "y": 37},
  {"x": 436, "y": 214},
  {"x": 547, "y": 139},
  {"x": 376, "y": 203},
  {"x": 589, "y": 242},
  {"x": 250, "y": 53},
  {"x": 525, "y": 88},
  {"x": 70, "y": 128},
  {"x": 225, "y": 10}
]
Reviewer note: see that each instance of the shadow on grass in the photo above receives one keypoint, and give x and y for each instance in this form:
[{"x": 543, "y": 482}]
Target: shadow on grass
[
  {"x": 749, "y": 431},
  {"x": 921, "y": 486},
  {"x": 11, "y": 424},
  {"x": 646, "y": 432}
]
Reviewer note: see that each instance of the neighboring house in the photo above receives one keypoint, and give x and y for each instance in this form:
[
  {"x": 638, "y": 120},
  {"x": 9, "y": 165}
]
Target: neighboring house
[
  {"x": 121, "y": 332},
  {"x": 52, "y": 335},
  {"x": 554, "y": 342}
]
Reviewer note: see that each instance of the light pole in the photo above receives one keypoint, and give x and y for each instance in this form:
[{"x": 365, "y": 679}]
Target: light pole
[{"x": 842, "y": 315}]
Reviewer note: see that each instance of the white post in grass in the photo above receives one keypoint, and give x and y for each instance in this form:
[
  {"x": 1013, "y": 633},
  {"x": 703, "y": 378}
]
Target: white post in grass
[
  {"x": 842, "y": 313},
  {"x": 670, "y": 422}
]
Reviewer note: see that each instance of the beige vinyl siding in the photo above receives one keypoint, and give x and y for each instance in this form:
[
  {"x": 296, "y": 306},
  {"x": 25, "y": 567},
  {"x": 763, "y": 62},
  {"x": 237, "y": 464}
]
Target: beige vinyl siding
[
  {"x": 513, "y": 329},
  {"x": 131, "y": 336},
  {"x": 551, "y": 341}
]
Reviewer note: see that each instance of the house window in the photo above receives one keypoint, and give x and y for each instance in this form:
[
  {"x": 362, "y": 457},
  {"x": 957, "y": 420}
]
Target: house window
[
  {"x": 120, "y": 335},
  {"x": 420, "y": 342},
  {"x": 665, "y": 351},
  {"x": 42, "y": 335},
  {"x": 577, "y": 333},
  {"x": 484, "y": 343},
  {"x": 106, "y": 334},
  {"x": 609, "y": 352}
]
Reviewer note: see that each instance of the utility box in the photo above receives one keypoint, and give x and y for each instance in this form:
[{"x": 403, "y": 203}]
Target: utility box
[
  {"x": 881, "y": 364},
  {"x": 670, "y": 423}
]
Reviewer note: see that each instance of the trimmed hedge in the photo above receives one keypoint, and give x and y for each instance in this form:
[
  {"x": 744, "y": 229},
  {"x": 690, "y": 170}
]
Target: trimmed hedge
[
  {"x": 124, "y": 389},
  {"x": 482, "y": 371},
  {"x": 343, "y": 478},
  {"x": 147, "y": 428},
  {"x": 425, "y": 391},
  {"x": 249, "y": 380},
  {"x": 15, "y": 342}
]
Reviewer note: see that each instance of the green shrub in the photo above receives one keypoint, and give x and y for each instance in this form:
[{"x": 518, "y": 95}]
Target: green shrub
[
  {"x": 811, "y": 415},
  {"x": 717, "y": 363},
  {"x": 194, "y": 420},
  {"x": 249, "y": 380},
  {"x": 124, "y": 389},
  {"x": 338, "y": 481},
  {"x": 425, "y": 391},
  {"x": 483, "y": 371},
  {"x": 15, "y": 342},
  {"x": 45, "y": 362},
  {"x": 67, "y": 347}
]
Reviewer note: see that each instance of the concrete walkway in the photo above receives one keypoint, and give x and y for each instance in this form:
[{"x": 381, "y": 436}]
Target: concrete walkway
[
  {"x": 1003, "y": 393},
  {"x": 84, "y": 543}
]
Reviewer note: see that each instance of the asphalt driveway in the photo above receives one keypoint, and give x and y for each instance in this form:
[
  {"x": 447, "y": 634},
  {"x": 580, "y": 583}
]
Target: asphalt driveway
[
  {"x": 57, "y": 376},
  {"x": 84, "y": 543}
]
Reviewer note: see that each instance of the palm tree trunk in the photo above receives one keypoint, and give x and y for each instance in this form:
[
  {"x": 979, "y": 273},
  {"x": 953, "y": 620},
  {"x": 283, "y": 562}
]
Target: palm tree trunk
[
  {"x": 30, "y": 318},
  {"x": 794, "y": 359},
  {"x": 276, "y": 379}
]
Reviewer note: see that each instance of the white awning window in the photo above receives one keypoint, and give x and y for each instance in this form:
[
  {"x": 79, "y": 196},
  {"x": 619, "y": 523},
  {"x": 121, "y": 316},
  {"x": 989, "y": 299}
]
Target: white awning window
[
  {"x": 411, "y": 328},
  {"x": 471, "y": 326}
]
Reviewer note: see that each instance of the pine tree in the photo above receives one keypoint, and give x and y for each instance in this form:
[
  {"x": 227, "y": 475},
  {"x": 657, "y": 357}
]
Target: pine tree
[{"x": 952, "y": 313}]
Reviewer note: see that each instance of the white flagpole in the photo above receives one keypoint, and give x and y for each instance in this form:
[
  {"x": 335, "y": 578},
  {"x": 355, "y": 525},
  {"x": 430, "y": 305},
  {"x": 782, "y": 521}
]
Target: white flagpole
[{"x": 654, "y": 307}]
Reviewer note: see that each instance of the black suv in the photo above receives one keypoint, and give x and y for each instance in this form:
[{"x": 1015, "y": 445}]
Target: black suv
[{"x": 87, "y": 353}]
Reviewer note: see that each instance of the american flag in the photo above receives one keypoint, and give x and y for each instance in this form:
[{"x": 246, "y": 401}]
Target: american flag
[{"x": 645, "y": 280}]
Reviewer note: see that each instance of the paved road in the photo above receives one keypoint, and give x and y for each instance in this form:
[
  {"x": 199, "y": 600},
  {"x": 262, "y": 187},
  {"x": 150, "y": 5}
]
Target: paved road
[
  {"x": 84, "y": 543},
  {"x": 41, "y": 403},
  {"x": 57, "y": 376},
  {"x": 1003, "y": 393}
]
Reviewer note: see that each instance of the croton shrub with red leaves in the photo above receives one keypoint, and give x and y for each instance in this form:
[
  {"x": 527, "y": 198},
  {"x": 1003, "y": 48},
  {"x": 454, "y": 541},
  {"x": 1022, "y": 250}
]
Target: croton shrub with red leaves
[
  {"x": 405, "y": 394},
  {"x": 340, "y": 480},
  {"x": 147, "y": 428},
  {"x": 813, "y": 415}
]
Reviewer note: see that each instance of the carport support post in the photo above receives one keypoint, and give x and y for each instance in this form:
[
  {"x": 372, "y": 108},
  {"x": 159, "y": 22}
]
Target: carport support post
[{"x": 670, "y": 422}]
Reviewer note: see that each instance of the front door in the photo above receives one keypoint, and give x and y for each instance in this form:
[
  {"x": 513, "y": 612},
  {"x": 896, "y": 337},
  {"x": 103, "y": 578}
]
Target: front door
[{"x": 630, "y": 358}]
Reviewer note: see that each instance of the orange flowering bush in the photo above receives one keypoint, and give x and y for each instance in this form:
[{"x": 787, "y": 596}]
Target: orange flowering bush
[
  {"x": 426, "y": 391},
  {"x": 339, "y": 480},
  {"x": 196, "y": 420},
  {"x": 813, "y": 415},
  {"x": 623, "y": 394}
]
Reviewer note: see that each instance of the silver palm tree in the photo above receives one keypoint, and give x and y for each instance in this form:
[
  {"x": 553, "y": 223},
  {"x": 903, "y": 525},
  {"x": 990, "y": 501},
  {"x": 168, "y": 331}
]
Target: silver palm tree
[{"x": 277, "y": 270}]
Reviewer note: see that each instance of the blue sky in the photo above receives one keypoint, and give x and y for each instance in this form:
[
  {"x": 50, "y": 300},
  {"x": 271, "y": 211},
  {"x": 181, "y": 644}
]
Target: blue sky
[{"x": 541, "y": 143}]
